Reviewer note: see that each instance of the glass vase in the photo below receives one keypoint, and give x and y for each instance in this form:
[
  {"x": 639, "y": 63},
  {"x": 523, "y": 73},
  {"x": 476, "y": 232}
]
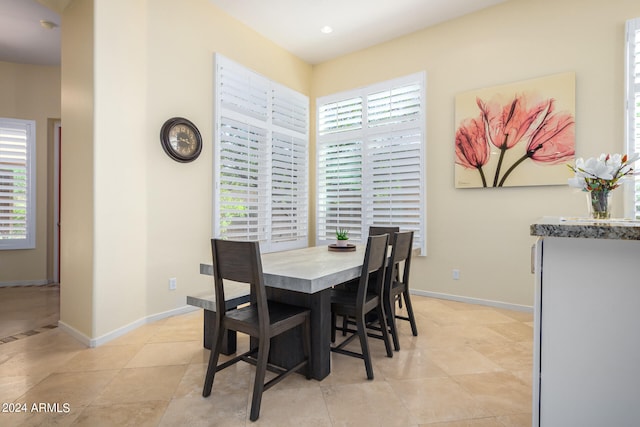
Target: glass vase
[{"x": 599, "y": 203}]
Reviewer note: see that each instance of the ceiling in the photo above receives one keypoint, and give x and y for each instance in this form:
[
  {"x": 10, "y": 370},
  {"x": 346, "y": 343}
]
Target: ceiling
[
  {"x": 22, "y": 37},
  {"x": 295, "y": 24},
  {"x": 292, "y": 24}
]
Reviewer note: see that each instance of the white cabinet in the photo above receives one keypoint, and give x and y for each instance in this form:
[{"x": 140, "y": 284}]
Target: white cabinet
[{"x": 587, "y": 332}]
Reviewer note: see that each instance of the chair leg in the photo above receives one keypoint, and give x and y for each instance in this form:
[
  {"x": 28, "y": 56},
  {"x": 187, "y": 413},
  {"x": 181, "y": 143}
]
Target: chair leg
[
  {"x": 364, "y": 345},
  {"x": 412, "y": 318},
  {"x": 306, "y": 342},
  {"x": 345, "y": 323},
  {"x": 258, "y": 385},
  {"x": 384, "y": 328},
  {"x": 391, "y": 321},
  {"x": 333, "y": 327},
  {"x": 213, "y": 361}
]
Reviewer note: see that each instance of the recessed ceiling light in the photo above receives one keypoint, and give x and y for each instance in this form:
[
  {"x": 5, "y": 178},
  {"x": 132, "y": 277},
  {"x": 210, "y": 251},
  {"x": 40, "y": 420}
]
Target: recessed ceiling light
[
  {"x": 326, "y": 29},
  {"x": 48, "y": 24}
]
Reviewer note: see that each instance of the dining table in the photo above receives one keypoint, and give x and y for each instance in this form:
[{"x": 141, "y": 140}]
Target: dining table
[{"x": 304, "y": 277}]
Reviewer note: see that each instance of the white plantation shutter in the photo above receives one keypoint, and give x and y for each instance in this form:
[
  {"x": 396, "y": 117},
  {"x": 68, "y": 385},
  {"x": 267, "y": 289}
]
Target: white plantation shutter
[
  {"x": 17, "y": 184},
  {"x": 632, "y": 129},
  {"x": 339, "y": 188},
  {"x": 289, "y": 189},
  {"x": 261, "y": 159},
  {"x": 243, "y": 200},
  {"x": 370, "y": 152}
]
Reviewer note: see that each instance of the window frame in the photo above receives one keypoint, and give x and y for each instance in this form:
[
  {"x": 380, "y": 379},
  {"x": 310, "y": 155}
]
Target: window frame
[
  {"x": 366, "y": 132},
  {"x": 277, "y": 125},
  {"x": 28, "y": 238},
  {"x": 632, "y": 112}
]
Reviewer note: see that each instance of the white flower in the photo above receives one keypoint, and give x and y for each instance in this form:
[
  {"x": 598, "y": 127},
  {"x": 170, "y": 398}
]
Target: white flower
[{"x": 602, "y": 172}]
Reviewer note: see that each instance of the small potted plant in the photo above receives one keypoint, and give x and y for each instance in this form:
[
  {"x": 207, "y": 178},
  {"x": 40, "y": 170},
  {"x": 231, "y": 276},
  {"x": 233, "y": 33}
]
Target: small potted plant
[{"x": 342, "y": 235}]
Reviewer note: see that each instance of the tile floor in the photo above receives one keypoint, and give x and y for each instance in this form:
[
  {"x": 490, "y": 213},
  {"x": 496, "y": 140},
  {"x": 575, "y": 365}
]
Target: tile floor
[{"x": 470, "y": 366}]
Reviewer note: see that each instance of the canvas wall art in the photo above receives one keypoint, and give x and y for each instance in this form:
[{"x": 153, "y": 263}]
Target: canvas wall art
[{"x": 516, "y": 134}]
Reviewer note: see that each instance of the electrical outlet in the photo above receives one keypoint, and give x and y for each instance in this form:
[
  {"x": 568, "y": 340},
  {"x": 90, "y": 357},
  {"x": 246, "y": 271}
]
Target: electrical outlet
[
  {"x": 173, "y": 283},
  {"x": 455, "y": 274}
]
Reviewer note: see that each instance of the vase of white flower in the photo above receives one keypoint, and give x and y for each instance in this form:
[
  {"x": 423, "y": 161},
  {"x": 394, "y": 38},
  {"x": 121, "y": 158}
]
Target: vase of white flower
[
  {"x": 599, "y": 176},
  {"x": 599, "y": 203}
]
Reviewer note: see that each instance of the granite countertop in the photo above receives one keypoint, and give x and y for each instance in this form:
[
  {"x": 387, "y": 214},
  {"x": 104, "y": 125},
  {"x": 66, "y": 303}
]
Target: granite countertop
[{"x": 614, "y": 228}]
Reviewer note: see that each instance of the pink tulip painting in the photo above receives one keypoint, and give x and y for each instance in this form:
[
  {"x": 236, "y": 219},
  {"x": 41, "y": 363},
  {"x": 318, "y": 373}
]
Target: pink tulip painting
[
  {"x": 518, "y": 134},
  {"x": 472, "y": 148}
]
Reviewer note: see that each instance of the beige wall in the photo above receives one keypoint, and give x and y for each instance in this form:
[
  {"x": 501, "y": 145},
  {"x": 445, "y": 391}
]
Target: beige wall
[
  {"x": 77, "y": 240},
  {"x": 31, "y": 92},
  {"x": 147, "y": 217},
  {"x": 485, "y": 232},
  {"x": 133, "y": 218}
]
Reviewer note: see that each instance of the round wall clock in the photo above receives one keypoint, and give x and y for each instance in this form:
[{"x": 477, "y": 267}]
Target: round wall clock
[{"x": 181, "y": 139}]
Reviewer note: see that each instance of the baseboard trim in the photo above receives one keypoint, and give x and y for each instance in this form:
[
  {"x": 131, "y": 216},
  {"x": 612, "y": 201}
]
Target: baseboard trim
[
  {"x": 469, "y": 300},
  {"x": 96, "y": 342},
  {"x": 25, "y": 283}
]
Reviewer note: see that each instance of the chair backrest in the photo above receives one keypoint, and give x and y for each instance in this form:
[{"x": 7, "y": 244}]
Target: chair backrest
[
  {"x": 401, "y": 247},
  {"x": 375, "y": 230},
  {"x": 375, "y": 258},
  {"x": 239, "y": 262}
]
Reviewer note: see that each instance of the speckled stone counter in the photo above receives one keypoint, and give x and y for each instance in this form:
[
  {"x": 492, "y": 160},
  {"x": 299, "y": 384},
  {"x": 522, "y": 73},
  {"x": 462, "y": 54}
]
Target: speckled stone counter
[{"x": 617, "y": 229}]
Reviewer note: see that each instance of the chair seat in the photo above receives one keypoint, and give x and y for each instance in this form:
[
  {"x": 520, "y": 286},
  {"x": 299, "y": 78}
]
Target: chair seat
[
  {"x": 245, "y": 319},
  {"x": 398, "y": 287},
  {"x": 343, "y": 301}
]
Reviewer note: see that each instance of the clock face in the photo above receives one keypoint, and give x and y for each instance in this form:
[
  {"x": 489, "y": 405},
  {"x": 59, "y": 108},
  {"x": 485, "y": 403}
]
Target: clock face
[{"x": 181, "y": 139}]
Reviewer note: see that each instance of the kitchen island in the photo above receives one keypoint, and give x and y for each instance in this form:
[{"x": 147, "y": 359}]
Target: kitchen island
[{"x": 587, "y": 321}]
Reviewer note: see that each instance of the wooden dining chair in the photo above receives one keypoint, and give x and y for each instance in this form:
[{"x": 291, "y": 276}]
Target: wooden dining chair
[
  {"x": 376, "y": 230},
  {"x": 352, "y": 285},
  {"x": 396, "y": 285},
  {"x": 356, "y": 305},
  {"x": 262, "y": 319}
]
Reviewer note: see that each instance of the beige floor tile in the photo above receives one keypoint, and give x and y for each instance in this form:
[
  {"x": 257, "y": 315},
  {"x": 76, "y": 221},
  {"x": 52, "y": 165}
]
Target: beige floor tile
[
  {"x": 289, "y": 407},
  {"x": 520, "y": 316},
  {"x": 476, "y": 422},
  {"x": 515, "y": 331},
  {"x": 187, "y": 327},
  {"x": 142, "y": 384},
  {"x": 469, "y": 366},
  {"x": 513, "y": 357},
  {"x": 41, "y": 419},
  {"x": 35, "y": 363},
  {"x": 228, "y": 410},
  {"x": 432, "y": 400},
  {"x": 165, "y": 353},
  {"x": 77, "y": 389},
  {"x": 137, "y": 414},
  {"x": 13, "y": 387},
  {"x": 140, "y": 335},
  {"x": 500, "y": 393},
  {"x": 409, "y": 365},
  {"x": 517, "y": 420},
  {"x": 237, "y": 378},
  {"x": 462, "y": 360},
  {"x": 100, "y": 358},
  {"x": 366, "y": 404}
]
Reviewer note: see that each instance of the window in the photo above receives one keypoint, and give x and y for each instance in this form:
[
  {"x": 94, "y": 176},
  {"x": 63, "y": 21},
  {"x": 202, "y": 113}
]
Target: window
[
  {"x": 632, "y": 121},
  {"x": 261, "y": 159},
  {"x": 371, "y": 157},
  {"x": 17, "y": 184}
]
